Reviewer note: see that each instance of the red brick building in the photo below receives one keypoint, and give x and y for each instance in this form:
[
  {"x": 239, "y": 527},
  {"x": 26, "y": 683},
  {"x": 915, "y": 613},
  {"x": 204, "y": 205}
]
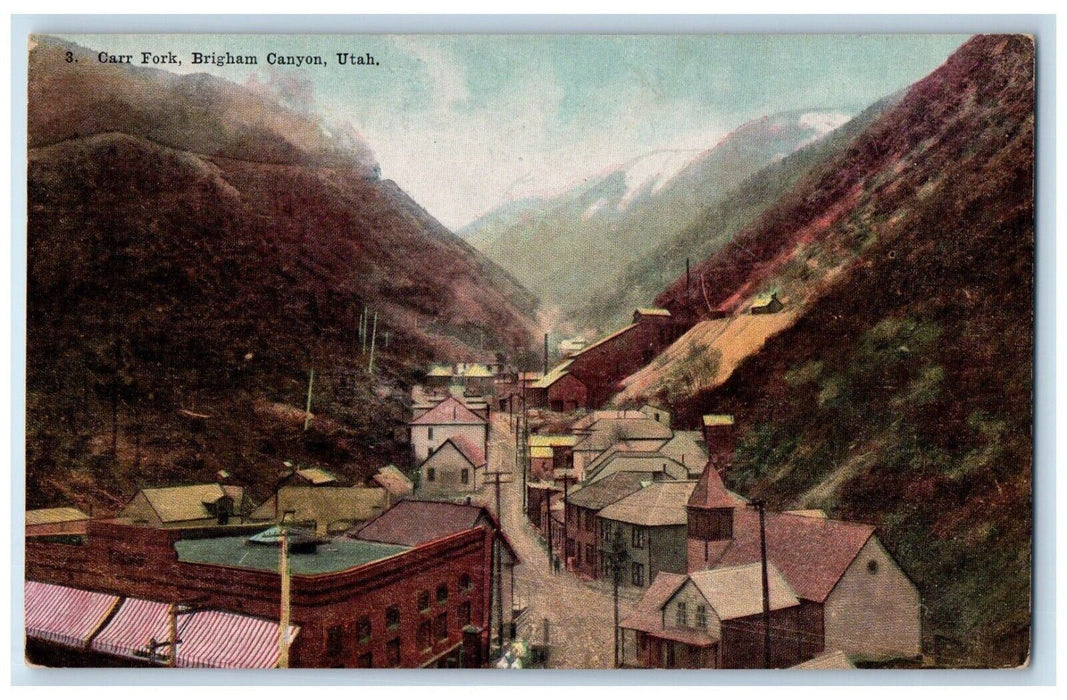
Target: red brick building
[{"x": 356, "y": 602}]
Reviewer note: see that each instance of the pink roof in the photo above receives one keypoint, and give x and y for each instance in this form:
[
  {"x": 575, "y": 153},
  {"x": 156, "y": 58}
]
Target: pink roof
[
  {"x": 451, "y": 411},
  {"x": 474, "y": 453},
  {"x": 64, "y": 615},
  {"x": 411, "y": 523},
  {"x": 710, "y": 491},
  {"x": 811, "y": 553}
]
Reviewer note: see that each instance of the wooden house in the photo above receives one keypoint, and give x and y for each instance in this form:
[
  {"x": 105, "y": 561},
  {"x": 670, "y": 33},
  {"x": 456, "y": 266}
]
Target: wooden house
[
  {"x": 194, "y": 505},
  {"x": 448, "y": 419},
  {"x": 456, "y": 466}
]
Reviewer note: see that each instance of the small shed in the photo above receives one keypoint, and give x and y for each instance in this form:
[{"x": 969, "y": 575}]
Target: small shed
[{"x": 767, "y": 304}]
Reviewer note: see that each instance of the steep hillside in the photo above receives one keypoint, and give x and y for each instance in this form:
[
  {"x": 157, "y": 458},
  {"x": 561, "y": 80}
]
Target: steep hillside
[
  {"x": 180, "y": 290},
  {"x": 901, "y": 392},
  {"x": 565, "y": 247},
  {"x": 713, "y": 226}
]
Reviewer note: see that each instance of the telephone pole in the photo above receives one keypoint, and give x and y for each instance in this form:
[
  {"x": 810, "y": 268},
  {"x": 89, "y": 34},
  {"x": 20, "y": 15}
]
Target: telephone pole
[
  {"x": 283, "y": 622},
  {"x": 307, "y": 410},
  {"x": 759, "y": 505},
  {"x": 497, "y": 564}
]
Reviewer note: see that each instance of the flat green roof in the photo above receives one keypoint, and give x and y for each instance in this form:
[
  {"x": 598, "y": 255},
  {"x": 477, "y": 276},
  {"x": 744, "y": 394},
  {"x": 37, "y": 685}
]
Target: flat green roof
[{"x": 335, "y": 555}]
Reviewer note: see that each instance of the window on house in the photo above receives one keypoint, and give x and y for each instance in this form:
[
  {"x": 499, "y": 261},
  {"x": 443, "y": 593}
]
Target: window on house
[
  {"x": 465, "y": 613},
  {"x": 365, "y": 661},
  {"x": 392, "y": 652},
  {"x": 637, "y": 574},
  {"x": 442, "y": 593},
  {"x": 363, "y": 629},
  {"x": 465, "y": 583},
  {"x": 872, "y": 566},
  {"x": 638, "y": 538},
  {"x": 442, "y": 626},
  {"x": 334, "y": 641},
  {"x": 429, "y": 433},
  {"x": 424, "y": 600},
  {"x": 431, "y": 474},
  {"x": 681, "y": 615},
  {"x": 570, "y": 547},
  {"x": 590, "y": 555},
  {"x": 465, "y": 476},
  {"x": 423, "y": 638},
  {"x": 590, "y": 522},
  {"x": 702, "y": 616},
  {"x": 392, "y": 617}
]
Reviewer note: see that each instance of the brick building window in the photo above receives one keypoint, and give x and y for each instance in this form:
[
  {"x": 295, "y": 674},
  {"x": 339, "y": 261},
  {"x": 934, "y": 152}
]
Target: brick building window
[
  {"x": 365, "y": 661},
  {"x": 441, "y": 626},
  {"x": 638, "y": 538},
  {"x": 334, "y": 641},
  {"x": 392, "y": 617},
  {"x": 681, "y": 615},
  {"x": 570, "y": 547},
  {"x": 392, "y": 652},
  {"x": 363, "y": 629},
  {"x": 465, "y": 614},
  {"x": 424, "y": 638},
  {"x": 637, "y": 574},
  {"x": 590, "y": 555},
  {"x": 702, "y": 617},
  {"x": 424, "y": 600},
  {"x": 442, "y": 594},
  {"x": 465, "y": 583},
  {"x": 590, "y": 522}
]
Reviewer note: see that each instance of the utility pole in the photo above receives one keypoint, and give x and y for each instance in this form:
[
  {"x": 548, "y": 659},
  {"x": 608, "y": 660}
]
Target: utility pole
[
  {"x": 566, "y": 511},
  {"x": 373, "y": 337},
  {"x": 545, "y": 362},
  {"x": 687, "y": 284},
  {"x": 307, "y": 410},
  {"x": 759, "y": 505},
  {"x": 615, "y": 551},
  {"x": 363, "y": 329},
  {"x": 172, "y": 625},
  {"x": 283, "y": 622},
  {"x": 497, "y": 565}
]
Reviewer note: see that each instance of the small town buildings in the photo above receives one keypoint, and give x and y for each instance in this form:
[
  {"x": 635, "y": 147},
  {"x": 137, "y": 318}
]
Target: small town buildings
[
  {"x": 395, "y": 482},
  {"x": 194, "y": 505},
  {"x": 479, "y": 376},
  {"x": 639, "y": 433},
  {"x": 416, "y": 522},
  {"x": 656, "y": 413},
  {"x": 354, "y": 602},
  {"x": 767, "y": 304},
  {"x": 687, "y": 447},
  {"x": 571, "y": 346},
  {"x": 589, "y": 377},
  {"x": 448, "y": 419},
  {"x": 550, "y": 453},
  {"x": 830, "y": 661},
  {"x": 652, "y": 524},
  {"x": 540, "y": 495},
  {"x": 853, "y": 596},
  {"x": 583, "y": 506},
  {"x": 655, "y": 465},
  {"x": 56, "y": 521},
  {"x": 307, "y": 476},
  {"x": 713, "y": 619},
  {"x": 456, "y": 466},
  {"x": 325, "y": 509}
]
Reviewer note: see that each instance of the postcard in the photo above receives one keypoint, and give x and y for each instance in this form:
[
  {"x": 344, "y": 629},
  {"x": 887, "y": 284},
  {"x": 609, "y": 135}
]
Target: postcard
[{"x": 703, "y": 351}]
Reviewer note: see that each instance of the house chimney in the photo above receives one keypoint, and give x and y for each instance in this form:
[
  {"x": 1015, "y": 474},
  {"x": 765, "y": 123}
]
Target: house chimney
[{"x": 719, "y": 436}]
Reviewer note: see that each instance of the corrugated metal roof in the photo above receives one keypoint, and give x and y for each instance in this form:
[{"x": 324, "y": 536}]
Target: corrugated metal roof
[
  {"x": 51, "y": 516},
  {"x": 737, "y": 591}
]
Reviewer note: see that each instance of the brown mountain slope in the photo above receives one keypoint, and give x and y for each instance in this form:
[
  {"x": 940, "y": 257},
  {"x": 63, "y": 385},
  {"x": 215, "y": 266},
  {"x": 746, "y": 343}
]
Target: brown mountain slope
[
  {"x": 168, "y": 284},
  {"x": 901, "y": 393}
]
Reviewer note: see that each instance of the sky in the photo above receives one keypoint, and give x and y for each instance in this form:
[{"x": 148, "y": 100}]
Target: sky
[{"x": 465, "y": 123}]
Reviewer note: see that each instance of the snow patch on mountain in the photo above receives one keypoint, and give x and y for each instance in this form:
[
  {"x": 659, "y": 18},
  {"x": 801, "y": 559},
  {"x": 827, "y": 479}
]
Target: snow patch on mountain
[
  {"x": 821, "y": 123},
  {"x": 650, "y": 173}
]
